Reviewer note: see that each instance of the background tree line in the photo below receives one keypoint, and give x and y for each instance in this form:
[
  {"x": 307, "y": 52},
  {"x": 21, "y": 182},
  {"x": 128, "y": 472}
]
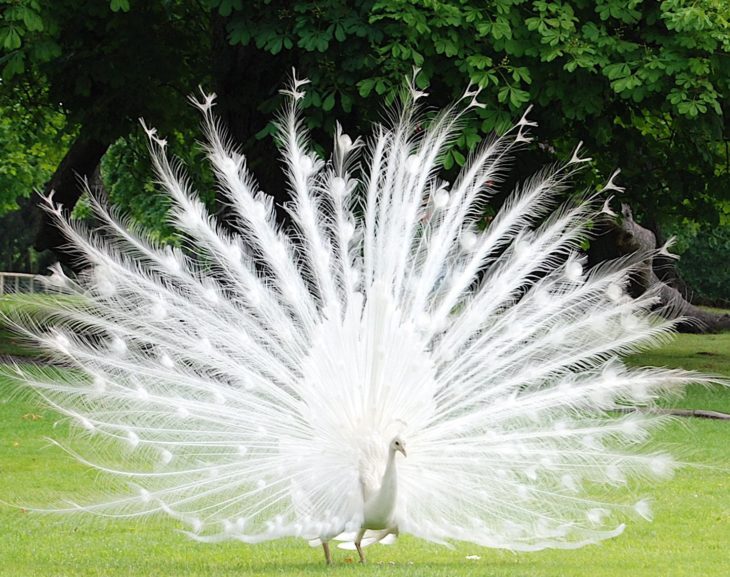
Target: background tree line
[{"x": 643, "y": 85}]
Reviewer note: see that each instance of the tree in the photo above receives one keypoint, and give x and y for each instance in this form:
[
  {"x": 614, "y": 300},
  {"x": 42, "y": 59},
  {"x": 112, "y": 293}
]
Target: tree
[
  {"x": 650, "y": 77},
  {"x": 641, "y": 84},
  {"x": 105, "y": 65},
  {"x": 32, "y": 143}
]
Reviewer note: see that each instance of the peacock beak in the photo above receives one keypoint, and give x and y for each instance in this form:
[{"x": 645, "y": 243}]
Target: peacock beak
[{"x": 402, "y": 449}]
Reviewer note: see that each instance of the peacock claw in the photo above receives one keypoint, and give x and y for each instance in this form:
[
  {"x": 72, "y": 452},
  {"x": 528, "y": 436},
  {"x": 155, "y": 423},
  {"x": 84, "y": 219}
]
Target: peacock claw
[{"x": 327, "y": 553}]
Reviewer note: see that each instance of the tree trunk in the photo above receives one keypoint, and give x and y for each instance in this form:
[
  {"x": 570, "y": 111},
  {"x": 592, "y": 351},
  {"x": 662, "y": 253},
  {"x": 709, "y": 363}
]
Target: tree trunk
[
  {"x": 80, "y": 162},
  {"x": 625, "y": 236},
  {"x": 236, "y": 68}
]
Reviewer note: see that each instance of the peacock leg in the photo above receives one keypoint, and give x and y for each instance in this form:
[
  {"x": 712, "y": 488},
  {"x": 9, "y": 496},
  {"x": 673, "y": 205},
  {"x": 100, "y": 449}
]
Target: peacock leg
[
  {"x": 358, "y": 540},
  {"x": 327, "y": 554}
]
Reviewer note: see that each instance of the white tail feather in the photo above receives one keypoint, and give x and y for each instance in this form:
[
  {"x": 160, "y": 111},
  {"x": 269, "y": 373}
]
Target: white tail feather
[{"x": 249, "y": 392}]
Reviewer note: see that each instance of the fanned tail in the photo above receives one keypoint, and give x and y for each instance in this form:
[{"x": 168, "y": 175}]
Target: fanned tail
[{"x": 248, "y": 382}]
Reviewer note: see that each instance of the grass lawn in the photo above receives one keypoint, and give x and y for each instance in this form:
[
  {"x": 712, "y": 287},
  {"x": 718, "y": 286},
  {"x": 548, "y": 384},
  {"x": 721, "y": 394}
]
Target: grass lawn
[
  {"x": 9, "y": 344},
  {"x": 690, "y": 535}
]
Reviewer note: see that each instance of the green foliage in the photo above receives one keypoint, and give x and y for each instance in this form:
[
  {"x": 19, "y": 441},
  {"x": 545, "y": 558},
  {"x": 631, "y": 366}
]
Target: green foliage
[
  {"x": 91, "y": 69},
  {"x": 131, "y": 184},
  {"x": 119, "y": 5},
  {"x": 106, "y": 62},
  {"x": 32, "y": 143},
  {"x": 635, "y": 51},
  {"x": 704, "y": 264},
  {"x": 332, "y": 42},
  {"x": 641, "y": 83},
  {"x": 651, "y": 75},
  {"x": 26, "y": 36}
]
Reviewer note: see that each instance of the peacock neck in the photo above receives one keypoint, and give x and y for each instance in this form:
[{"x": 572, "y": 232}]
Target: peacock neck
[
  {"x": 390, "y": 476},
  {"x": 380, "y": 508}
]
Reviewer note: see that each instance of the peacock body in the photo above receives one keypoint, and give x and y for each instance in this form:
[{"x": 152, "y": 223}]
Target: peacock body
[{"x": 255, "y": 384}]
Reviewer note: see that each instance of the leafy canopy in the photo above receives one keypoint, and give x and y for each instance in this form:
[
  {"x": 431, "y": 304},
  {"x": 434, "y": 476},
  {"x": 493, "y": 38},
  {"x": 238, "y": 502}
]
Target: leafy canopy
[{"x": 643, "y": 84}]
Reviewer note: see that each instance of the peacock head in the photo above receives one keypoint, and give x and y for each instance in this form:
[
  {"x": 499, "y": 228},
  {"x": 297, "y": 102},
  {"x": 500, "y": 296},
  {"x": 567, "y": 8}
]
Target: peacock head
[{"x": 398, "y": 444}]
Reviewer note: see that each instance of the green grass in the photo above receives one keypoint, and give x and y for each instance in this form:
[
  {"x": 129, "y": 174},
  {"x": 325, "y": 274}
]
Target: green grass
[
  {"x": 9, "y": 343},
  {"x": 689, "y": 536},
  {"x": 11, "y": 304},
  {"x": 709, "y": 354},
  {"x": 717, "y": 310}
]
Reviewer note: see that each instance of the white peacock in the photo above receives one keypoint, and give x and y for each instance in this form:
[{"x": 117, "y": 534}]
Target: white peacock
[{"x": 264, "y": 383}]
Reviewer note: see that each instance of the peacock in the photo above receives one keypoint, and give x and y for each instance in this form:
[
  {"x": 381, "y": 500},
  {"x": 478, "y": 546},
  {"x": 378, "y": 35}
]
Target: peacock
[{"x": 389, "y": 362}]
